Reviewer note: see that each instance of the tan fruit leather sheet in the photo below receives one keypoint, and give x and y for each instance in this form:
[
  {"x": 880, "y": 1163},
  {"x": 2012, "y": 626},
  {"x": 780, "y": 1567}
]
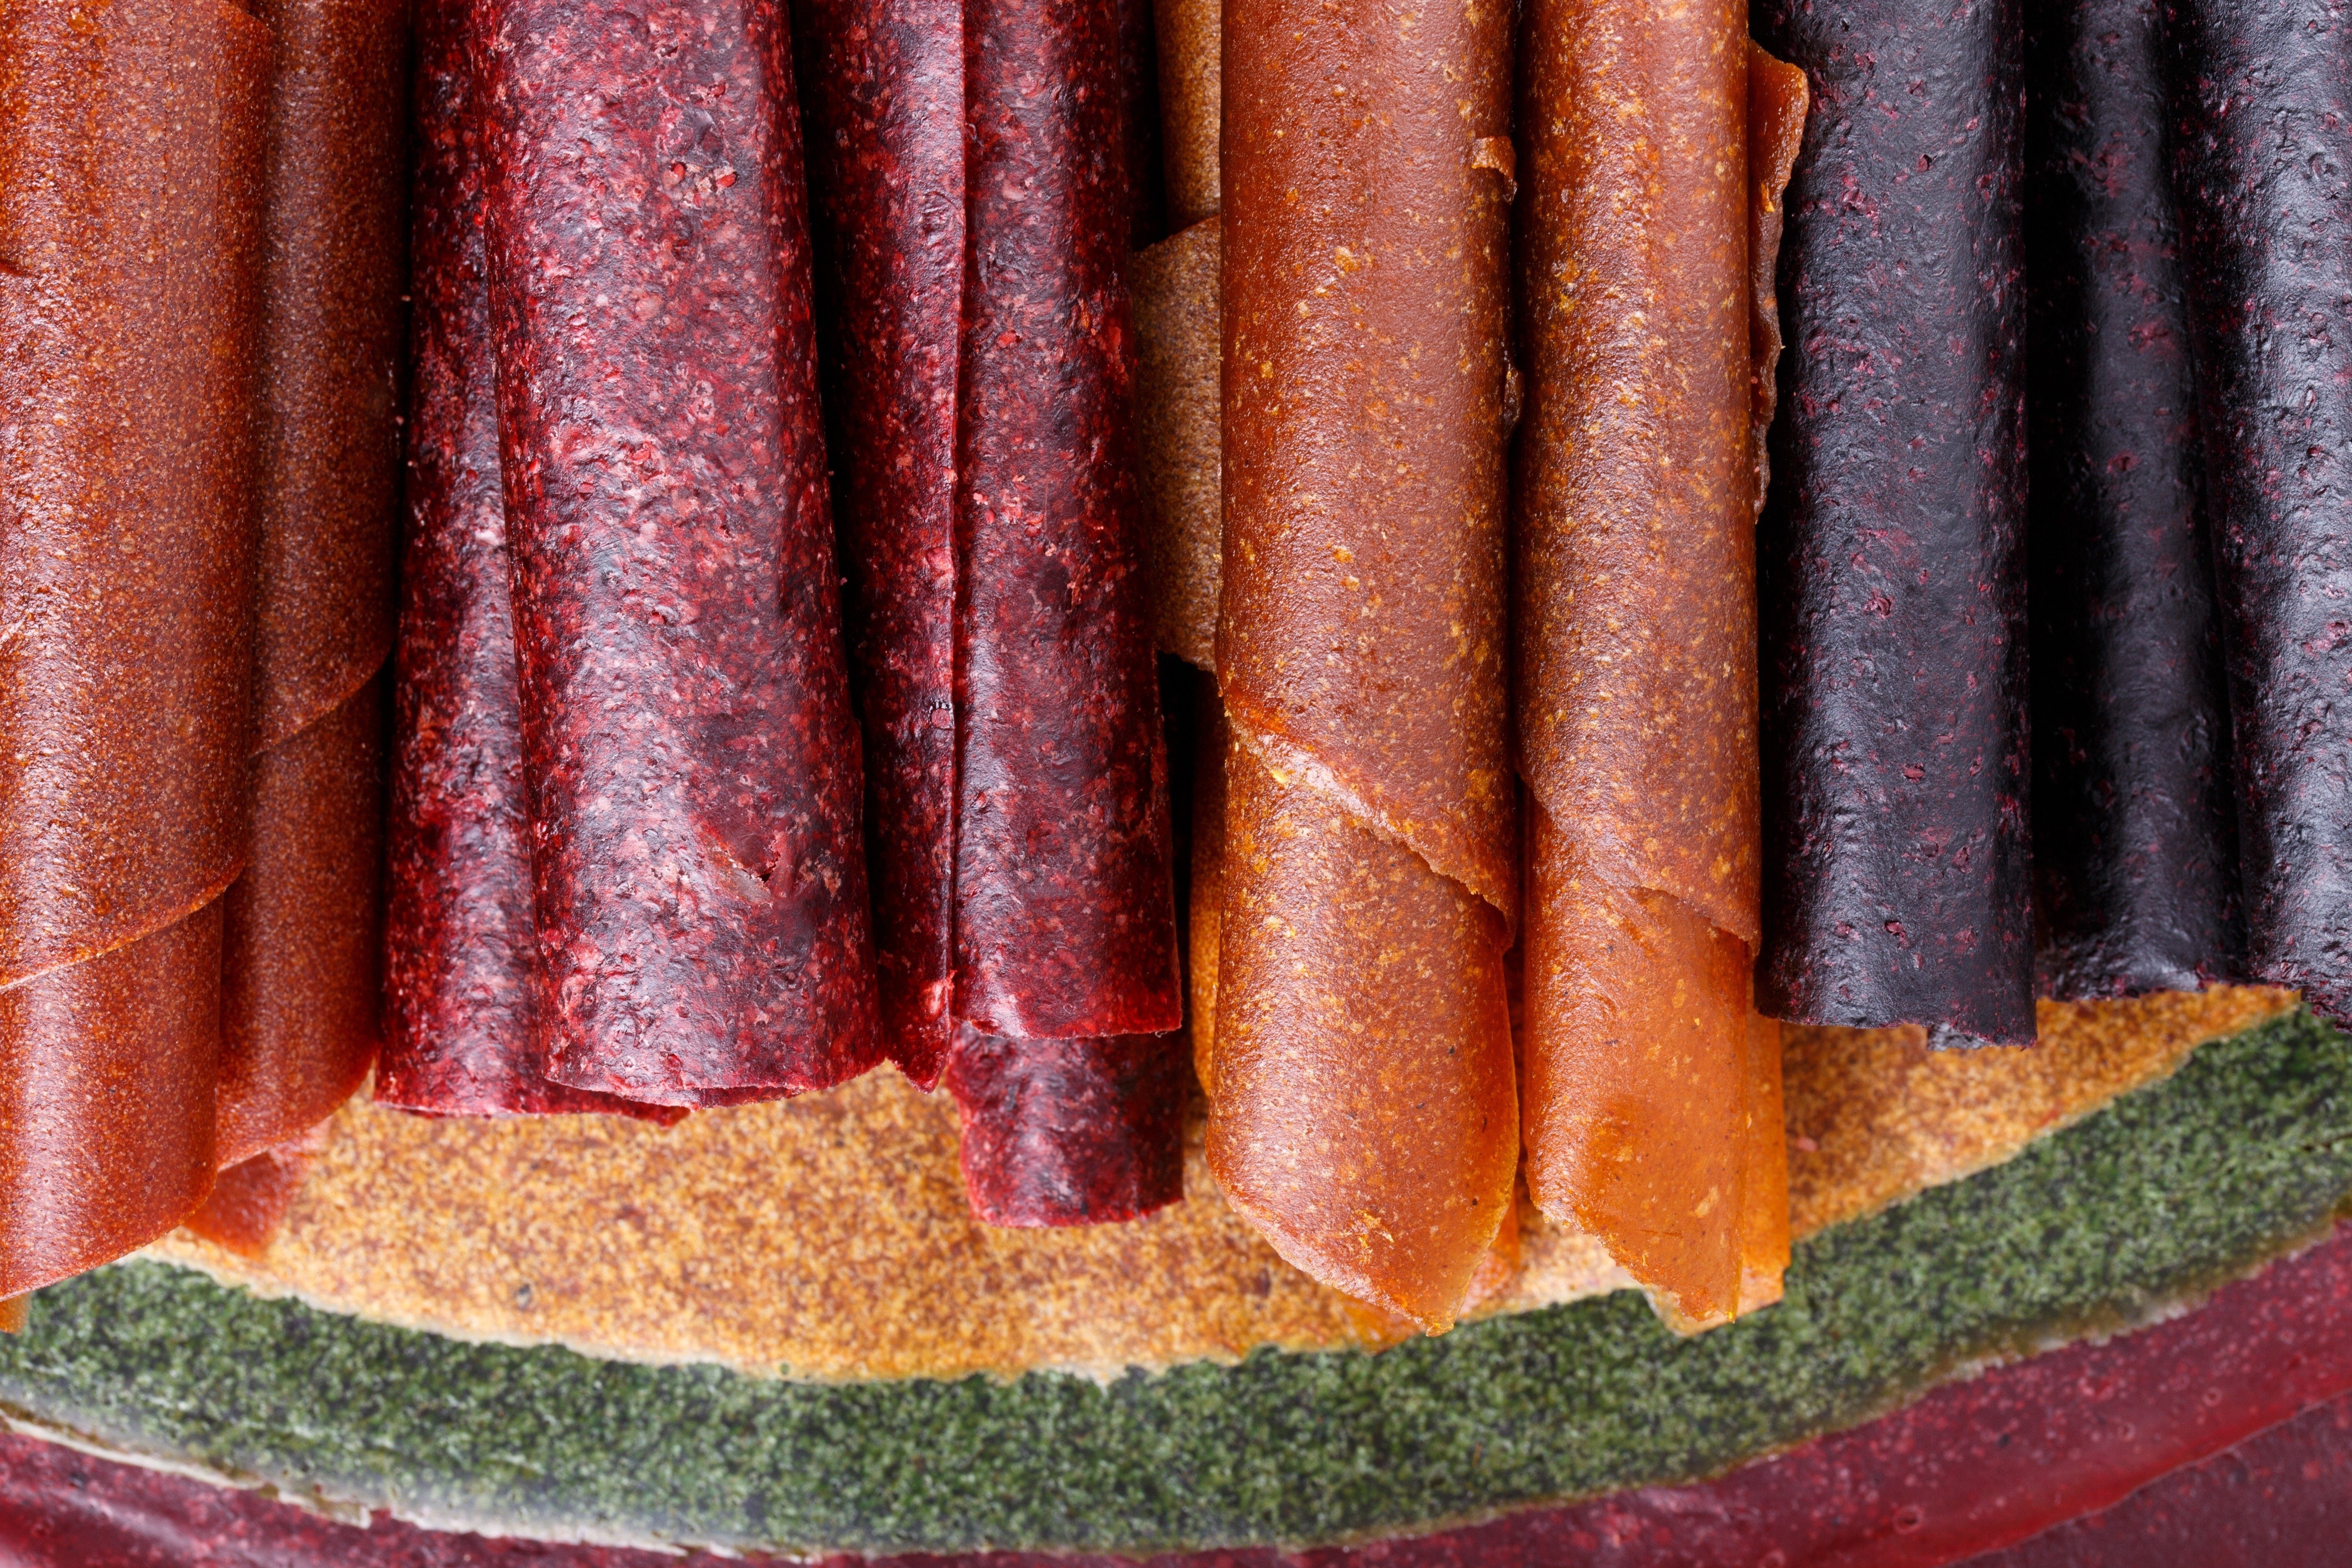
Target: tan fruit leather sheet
[{"x": 620, "y": 1238}]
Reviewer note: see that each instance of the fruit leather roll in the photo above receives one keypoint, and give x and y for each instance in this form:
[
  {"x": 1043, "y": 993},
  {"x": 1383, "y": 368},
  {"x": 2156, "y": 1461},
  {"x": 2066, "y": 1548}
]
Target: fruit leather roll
[
  {"x": 1635, "y": 631},
  {"x": 2135, "y": 851},
  {"x": 459, "y": 950},
  {"x": 131, "y": 171},
  {"x": 973, "y": 190},
  {"x": 1891, "y": 553},
  {"x": 2261, "y": 91},
  {"x": 301, "y": 988},
  {"x": 690, "y": 757},
  {"x": 1362, "y": 1109}
]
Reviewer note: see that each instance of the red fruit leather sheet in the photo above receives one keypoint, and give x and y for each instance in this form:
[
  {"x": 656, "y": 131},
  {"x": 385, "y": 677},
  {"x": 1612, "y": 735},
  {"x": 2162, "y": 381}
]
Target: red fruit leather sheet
[
  {"x": 974, "y": 226},
  {"x": 2220, "y": 1438},
  {"x": 300, "y": 983},
  {"x": 691, "y": 758},
  {"x": 126, "y": 560},
  {"x": 459, "y": 951}
]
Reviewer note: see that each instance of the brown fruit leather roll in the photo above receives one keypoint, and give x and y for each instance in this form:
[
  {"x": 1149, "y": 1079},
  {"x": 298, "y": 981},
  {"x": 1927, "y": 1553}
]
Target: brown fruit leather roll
[
  {"x": 690, "y": 750},
  {"x": 301, "y": 992},
  {"x": 1009, "y": 691},
  {"x": 130, "y": 303},
  {"x": 1636, "y": 633},
  {"x": 458, "y": 949},
  {"x": 1363, "y": 1112}
]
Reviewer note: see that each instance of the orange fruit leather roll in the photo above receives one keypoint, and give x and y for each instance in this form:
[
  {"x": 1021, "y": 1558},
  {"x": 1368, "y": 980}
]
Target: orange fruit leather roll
[
  {"x": 1362, "y": 1109},
  {"x": 1635, "y": 624},
  {"x": 131, "y": 172},
  {"x": 301, "y": 961}
]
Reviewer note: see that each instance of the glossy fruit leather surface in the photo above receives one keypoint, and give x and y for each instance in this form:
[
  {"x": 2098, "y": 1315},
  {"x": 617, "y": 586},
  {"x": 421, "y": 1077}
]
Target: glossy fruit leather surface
[{"x": 1977, "y": 1467}]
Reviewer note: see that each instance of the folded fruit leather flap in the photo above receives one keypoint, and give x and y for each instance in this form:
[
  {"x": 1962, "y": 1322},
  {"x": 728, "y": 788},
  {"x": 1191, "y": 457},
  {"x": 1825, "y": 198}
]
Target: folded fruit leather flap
[
  {"x": 1362, "y": 1109},
  {"x": 2134, "y": 833},
  {"x": 690, "y": 754},
  {"x": 2260, "y": 92},
  {"x": 974, "y": 227},
  {"x": 460, "y": 956},
  {"x": 126, "y": 554},
  {"x": 1891, "y": 553}
]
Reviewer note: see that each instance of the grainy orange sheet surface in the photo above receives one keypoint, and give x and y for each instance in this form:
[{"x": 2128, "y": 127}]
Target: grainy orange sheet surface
[{"x": 829, "y": 1237}]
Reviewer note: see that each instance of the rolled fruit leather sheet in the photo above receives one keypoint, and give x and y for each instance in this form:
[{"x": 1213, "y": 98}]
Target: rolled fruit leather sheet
[
  {"x": 1634, "y": 552},
  {"x": 690, "y": 755},
  {"x": 131, "y": 179},
  {"x": 460, "y": 953},
  {"x": 2260, "y": 98},
  {"x": 2134, "y": 834},
  {"x": 976, "y": 218},
  {"x": 1891, "y": 558},
  {"x": 301, "y": 979},
  {"x": 1363, "y": 1113}
]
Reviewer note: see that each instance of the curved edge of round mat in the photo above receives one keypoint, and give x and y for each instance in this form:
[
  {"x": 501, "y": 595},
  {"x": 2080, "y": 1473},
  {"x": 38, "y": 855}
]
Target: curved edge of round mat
[
  {"x": 2115, "y": 1220},
  {"x": 2190, "y": 1431}
]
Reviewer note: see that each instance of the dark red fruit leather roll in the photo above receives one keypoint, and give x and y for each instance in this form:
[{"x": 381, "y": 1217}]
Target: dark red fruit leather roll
[
  {"x": 1082, "y": 1131},
  {"x": 690, "y": 754},
  {"x": 2261, "y": 93},
  {"x": 973, "y": 188},
  {"x": 1891, "y": 554},
  {"x": 303, "y": 938},
  {"x": 1065, "y": 918},
  {"x": 884, "y": 84},
  {"x": 130, "y": 174},
  {"x": 458, "y": 945},
  {"x": 2134, "y": 831}
]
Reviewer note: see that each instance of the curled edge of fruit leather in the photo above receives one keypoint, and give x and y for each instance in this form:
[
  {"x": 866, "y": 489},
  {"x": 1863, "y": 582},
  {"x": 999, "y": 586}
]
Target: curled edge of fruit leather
[
  {"x": 299, "y": 995},
  {"x": 127, "y": 553},
  {"x": 251, "y": 1197},
  {"x": 672, "y": 540},
  {"x": 1363, "y": 1111},
  {"x": 1088, "y": 1131},
  {"x": 109, "y": 1063},
  {"x": 459, "y": 949}
]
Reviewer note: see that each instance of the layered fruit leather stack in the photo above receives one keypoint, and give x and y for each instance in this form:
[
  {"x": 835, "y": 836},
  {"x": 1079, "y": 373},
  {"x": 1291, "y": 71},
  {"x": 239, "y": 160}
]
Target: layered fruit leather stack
[
  {"x": 1891, "y": 553},
  {"x": 1363, "y": 1112},
  {"x": 131, "y": 159},
  {"x": 689, "y": 762},
  {"x": 974, "y": 187},
  {"x": 1653, "y": 1089},
  {"x": 302, "y": 975},
  {"x": 2134, "y": 832},
  {"x": 2260, "y": 93}
]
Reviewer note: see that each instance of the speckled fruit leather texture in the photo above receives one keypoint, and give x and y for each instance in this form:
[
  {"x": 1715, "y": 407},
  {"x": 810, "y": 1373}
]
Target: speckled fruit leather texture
[{"x": 2244, "y": 1151}]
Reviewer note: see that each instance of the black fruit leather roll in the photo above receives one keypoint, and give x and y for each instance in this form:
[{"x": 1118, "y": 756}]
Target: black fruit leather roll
[
  {"x": 2135, "y": 837},
  {"x": 1891, "y": 554},
  {"x": 2261, "y": 96}
]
